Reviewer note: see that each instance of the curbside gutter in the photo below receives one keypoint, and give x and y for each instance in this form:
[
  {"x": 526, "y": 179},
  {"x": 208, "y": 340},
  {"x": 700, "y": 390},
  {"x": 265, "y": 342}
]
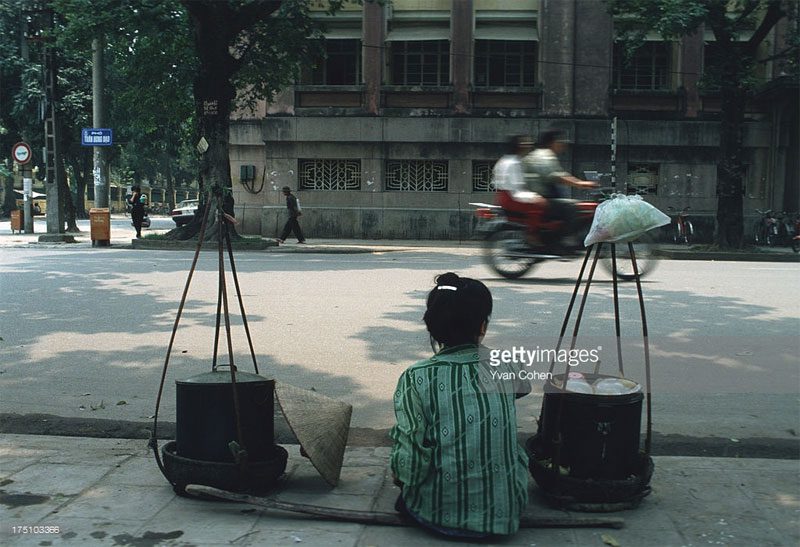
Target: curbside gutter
[{"x": 729, "y": 256}]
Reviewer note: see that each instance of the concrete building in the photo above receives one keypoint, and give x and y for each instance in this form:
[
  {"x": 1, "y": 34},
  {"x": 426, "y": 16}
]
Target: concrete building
[{"x": 396, "y": 131}]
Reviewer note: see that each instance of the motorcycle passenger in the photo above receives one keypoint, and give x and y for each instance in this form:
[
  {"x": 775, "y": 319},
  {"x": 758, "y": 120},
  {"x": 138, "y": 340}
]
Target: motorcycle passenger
[
  {"x": 507, "y": 174},
  {"x": 545, "y": 176},
  {"x": 513, "y": 196}
]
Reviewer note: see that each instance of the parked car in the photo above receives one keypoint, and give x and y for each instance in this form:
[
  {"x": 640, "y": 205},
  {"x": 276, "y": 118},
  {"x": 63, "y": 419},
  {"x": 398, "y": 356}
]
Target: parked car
[{"x": 183, "y": 213}]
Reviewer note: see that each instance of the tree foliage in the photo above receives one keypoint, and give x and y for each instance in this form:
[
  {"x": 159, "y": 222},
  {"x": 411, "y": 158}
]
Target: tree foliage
[
  {"x": 733, "y": 75},
  {"x": 176, "y": 69}
]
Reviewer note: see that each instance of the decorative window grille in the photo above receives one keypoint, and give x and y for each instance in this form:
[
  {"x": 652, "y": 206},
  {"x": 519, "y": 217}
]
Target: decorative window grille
[
  {"x": 482, "y": 176},
  {"x": 425, "y": 63},
  {"x": 505, "y": 63},
  {"x": 648, "y": 69},
  {"x": 416, "y": 175},
  {"x": 341, "y": 64},
  {"x": 330, "y": 174},
  {"x": 643, "y": 177}
]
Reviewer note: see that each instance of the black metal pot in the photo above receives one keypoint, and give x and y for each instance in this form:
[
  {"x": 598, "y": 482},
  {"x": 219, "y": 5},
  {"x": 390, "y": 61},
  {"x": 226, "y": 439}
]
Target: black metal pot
[
  {"x": 599, "y": 433},
  {"x": 206, "y": 418}
]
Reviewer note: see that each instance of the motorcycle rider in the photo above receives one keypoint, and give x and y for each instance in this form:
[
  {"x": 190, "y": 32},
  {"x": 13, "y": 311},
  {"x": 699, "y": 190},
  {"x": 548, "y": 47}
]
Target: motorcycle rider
[{"x": 544, "y": 176}]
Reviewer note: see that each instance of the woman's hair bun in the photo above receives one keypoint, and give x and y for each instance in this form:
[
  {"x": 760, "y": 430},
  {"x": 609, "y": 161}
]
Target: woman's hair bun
[{"x": 448, "y": 278}]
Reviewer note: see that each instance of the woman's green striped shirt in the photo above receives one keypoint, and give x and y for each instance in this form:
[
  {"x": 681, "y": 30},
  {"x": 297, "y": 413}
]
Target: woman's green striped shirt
[{"x": 455, "y": 447}]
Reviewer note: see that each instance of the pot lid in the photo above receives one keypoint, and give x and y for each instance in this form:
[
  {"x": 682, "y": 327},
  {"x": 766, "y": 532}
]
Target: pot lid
[{"x": 223, "y": 377}]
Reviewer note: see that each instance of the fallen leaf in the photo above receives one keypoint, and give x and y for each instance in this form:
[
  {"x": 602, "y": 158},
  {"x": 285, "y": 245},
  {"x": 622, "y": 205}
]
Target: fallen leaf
[
  {"x": 734, "y": 440},
  {"x": 609, "y": 540},
  {"x": 120, "y": 403}
]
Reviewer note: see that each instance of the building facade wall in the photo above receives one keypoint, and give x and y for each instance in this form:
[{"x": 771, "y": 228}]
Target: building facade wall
[{"x": 669, "y": 139}]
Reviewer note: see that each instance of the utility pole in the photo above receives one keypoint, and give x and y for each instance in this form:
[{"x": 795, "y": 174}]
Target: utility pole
[
  {"x": 52, "y": 142},
  {"x": 27, "y": 175},
  {"x": 100, "y": 168},
  {"x": 614, "y": 153}
]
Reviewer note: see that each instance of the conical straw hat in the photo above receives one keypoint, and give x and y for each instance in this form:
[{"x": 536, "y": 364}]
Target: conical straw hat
[{"x": 321, "y": 425}]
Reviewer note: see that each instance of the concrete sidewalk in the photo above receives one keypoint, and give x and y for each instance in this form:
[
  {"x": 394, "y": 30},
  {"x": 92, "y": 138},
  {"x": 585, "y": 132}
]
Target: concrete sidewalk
[
  {"x": 87, "y": 491},
  {"x": 123, "y": 236}
]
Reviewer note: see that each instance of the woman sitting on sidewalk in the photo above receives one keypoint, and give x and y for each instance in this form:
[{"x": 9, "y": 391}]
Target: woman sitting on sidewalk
[{"x": 455, "y": 454}]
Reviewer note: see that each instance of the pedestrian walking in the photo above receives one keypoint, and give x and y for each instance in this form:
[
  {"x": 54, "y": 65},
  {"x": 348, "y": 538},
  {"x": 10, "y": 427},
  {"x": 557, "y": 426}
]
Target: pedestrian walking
[
  {"x": 455, "y": 456},
  {"x": 292, "y": 225},
  {"x": 136, "y": 200}
]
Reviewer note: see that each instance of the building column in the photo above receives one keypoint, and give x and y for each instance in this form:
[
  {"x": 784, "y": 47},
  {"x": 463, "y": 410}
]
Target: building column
[
  {"x": 373, "y": 26},
  {"x": 461, "y": 15},
  {"x": 557, "y": 56},
  {"x": 594, "y": 31},
  {"x": 691, "y": 69}
]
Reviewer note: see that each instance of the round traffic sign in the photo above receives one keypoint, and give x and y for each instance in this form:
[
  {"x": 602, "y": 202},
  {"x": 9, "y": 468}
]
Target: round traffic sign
[{"x": 21, "y": 153}]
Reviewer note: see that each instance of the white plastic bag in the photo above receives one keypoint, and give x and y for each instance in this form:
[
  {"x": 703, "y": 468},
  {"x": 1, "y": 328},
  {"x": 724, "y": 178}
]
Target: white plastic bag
[{"x": 623, "y": 218}]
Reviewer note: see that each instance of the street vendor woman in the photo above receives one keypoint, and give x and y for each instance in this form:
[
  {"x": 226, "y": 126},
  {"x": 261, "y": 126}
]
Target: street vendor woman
[{"x": 455, "y": 455}]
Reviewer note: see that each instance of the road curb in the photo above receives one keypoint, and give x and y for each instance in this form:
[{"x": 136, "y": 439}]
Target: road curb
[
  {"x": 727, "y": 256},
  {"x": 189, "y": 245},
  {"x": 663, "y": 444}
]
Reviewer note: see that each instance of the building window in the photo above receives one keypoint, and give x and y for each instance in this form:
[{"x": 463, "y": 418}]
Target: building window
[
  {"x": 643, "y": 177},
  {"x": 330, "y": 174},
  {"x": 647, "y": 70},
  {"x": 505, "y": 63},
  {"x": 341, "y": 65},
  {"x": 482, "y": 171},
  {"x": 425, "y": 63},
  {"x": 416, "y": 176}
]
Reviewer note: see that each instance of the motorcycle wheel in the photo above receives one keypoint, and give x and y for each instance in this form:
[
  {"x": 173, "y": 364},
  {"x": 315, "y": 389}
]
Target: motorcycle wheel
[
  {"x": 504, "y": 253},
  {"x": 646, "y": 259},
  {"x": 796, "y": 245}
]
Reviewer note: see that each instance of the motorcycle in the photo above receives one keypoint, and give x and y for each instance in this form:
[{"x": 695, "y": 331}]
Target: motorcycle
[{"x": 508, "y": 249}]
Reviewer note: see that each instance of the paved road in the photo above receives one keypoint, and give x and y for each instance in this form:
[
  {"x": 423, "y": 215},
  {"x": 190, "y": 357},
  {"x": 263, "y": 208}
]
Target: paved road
[{"x": 85, "y": 331}]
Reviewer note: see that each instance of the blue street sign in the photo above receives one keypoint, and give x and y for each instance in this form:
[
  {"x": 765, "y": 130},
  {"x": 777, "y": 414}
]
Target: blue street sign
[{"x": 96, "y": 137}]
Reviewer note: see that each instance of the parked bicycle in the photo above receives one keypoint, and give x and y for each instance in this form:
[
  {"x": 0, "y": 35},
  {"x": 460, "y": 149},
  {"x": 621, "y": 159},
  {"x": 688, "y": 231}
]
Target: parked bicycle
[
  {"x": 788, "y": 225},
  {"x": 765, "y": 229},
  {"x": 682, "y": 227}
]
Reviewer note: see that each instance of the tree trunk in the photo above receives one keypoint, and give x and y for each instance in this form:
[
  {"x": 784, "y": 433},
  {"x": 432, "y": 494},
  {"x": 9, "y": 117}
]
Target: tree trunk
[
  {"x": 730, "y": 214},
  {"x": 214, "y": 94},
  {"x": 170, "y": 180},
  {"x": 80, "y": 167},
  {"x": 9, "y": 198},
  {"x": 69, "y": 206},
  {"x": 66, "y": 198}
]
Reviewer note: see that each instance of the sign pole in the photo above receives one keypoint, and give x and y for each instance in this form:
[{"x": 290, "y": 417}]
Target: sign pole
[
  {"x": 27, "y": 201},
  {"x": 21, "y": 154},
  {"x": 100, "y": 167}
]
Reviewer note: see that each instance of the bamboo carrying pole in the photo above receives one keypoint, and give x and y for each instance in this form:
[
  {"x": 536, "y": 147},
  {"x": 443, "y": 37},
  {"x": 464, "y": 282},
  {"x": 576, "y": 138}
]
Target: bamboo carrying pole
[{"x": 392, "y": 519}]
